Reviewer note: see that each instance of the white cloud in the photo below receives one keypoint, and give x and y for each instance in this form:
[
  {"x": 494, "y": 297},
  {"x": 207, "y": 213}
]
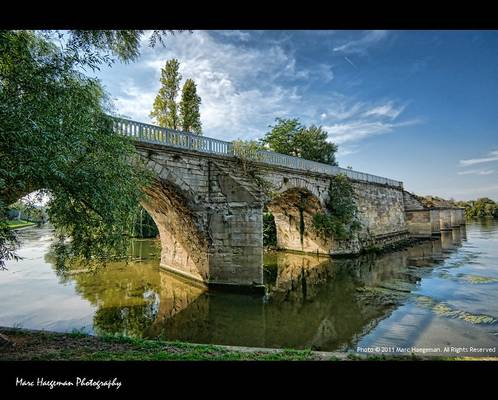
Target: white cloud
[
  {"x": 385, "y": 110},
  {"x": 492, "y": 156},
  {"x": 358, "y": 130},
  {"x": 243, "y": 89},
  {"x": 134, "y": 103},
  {"x": 349, "y": 121},
  {"x": 347, "y": 150},
  {"x": 341, "y": 108},
  {"x": 325, "y": 72},
  {"x": 476, "y": 172},
  {"x": 240, "y": 97},
  {"x": 242, "y": 36},
  {"x": 359, "y": 46}
]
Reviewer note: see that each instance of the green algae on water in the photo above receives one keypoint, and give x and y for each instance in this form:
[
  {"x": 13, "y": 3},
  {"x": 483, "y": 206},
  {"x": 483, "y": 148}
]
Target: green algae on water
[{"x": 446, "y": 310}]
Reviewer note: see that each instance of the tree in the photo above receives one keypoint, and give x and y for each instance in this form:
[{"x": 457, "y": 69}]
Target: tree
[
  {"x": 143, "y": 225},
  {"x": 190, "y": 116},
  {"x": 480, "y": 208},
  {"x": 56, "y": 137},
  {"x": 312, "y": 145},
  {"x": 164, "y": 110},
  {"x": 289, "y": 136}
]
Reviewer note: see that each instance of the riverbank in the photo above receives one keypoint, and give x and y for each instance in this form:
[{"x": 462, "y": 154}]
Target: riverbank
[
  {"x": 32, "y": 345},
  {"x": 18, "y": 224}
]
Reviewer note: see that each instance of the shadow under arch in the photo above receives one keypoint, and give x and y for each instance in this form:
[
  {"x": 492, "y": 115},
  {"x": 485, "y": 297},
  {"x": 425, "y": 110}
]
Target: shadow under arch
[
  {"x": 293, "y": 211},
  {"x": 184, "y": 244}
]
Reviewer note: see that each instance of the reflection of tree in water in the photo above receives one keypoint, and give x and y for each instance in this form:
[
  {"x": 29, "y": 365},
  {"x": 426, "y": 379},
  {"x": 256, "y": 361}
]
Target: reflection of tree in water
[
  {"x": 130, "y": 321},
  {"x": 311, "y": 302},
  {"x": 126, "y": 294}
]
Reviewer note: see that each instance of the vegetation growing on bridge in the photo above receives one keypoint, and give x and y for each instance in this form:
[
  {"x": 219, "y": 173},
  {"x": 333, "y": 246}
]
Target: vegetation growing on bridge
[
  {"x": 340, "y": 219},
  {"x": 246, "y": 151},
  {"x": 269, "y": 229}
]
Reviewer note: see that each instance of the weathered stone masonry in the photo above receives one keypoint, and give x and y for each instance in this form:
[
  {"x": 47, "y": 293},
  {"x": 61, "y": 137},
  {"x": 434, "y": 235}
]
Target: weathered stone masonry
[
  {"x": 209, "y": 220},
  {"x": 423, "y": 221},
  {"x": 208, "y": 209}
]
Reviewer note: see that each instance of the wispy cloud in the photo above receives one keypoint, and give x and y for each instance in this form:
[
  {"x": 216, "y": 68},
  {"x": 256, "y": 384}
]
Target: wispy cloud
[
  {"x": 492, "y": 156},
  {"x": 476, "y": 172},
  {"x": 242, "y": 36},
  {"x": 134, "y": 102},
  {"x": 386, "y": 110},
  {"x": 360, "y": 46},
  {"x": 358, "y": 130},
  {"x": 347, "y": 150},
  {"x": 349, "y": 121},
  {"x": 244, "y": 88}
]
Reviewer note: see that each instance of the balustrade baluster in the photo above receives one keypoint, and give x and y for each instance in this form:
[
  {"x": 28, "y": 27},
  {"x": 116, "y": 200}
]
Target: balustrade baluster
[{"x": 150, "y": 133}]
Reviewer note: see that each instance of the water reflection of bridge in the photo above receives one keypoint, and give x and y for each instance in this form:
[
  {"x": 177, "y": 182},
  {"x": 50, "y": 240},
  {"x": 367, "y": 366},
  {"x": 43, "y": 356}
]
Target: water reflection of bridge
[{"x": 311, "y": 301}]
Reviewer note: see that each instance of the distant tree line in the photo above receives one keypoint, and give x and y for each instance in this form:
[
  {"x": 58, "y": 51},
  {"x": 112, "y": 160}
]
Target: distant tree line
[
  {"x": 480, "y": 208},
  {"x": 483, "y": 207}
]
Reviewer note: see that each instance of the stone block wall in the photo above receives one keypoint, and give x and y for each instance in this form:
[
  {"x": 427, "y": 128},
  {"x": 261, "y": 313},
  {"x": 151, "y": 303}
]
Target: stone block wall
[
  {"x": 208, "y": 210},
  {"x": 435, "y": 222},
  {"x": 445, "y": 219},
  {"x": 457, "y": 217},
  {"x": 209, "y": 217},
  {"x": 419, "y": 223},
  {"x": 381, "y": 209}
]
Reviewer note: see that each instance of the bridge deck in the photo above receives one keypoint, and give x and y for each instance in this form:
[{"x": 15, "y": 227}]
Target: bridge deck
[{"x": 172, "y": 138}]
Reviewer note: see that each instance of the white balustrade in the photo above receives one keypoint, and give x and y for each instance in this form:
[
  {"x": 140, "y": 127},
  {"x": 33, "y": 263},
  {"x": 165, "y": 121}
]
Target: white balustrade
[{"x": 168, "y": 137}]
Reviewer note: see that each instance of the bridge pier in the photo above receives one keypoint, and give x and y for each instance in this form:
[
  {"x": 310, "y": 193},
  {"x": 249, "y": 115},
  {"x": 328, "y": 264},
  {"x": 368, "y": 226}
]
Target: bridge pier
[
  {"x": 445, "y": 219},
  {"x": 210, "y": 220},
  {"x": 236, "y": 251}
]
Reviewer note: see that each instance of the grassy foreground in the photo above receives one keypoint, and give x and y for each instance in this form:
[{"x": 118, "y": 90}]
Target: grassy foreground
[
  {"x": 29, "y": 345},
  {"x": 48, "y": 346}
]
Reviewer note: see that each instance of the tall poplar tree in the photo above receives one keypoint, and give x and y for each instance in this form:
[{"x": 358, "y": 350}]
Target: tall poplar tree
[
  {"x": 190, "y": 116},
  {"x": 165, "y": 109}
]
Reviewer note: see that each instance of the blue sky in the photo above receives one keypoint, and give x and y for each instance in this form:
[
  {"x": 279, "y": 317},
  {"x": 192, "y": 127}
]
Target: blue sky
[{"x": 416, "y": 106}]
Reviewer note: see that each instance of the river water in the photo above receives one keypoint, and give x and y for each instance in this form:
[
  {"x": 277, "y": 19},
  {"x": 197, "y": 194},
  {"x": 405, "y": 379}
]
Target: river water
[{"x": 436, "y": 297}]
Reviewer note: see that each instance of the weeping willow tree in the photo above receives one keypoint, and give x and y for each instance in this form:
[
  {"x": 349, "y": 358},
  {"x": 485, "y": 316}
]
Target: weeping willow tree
[{"x": 56, "y": 136}]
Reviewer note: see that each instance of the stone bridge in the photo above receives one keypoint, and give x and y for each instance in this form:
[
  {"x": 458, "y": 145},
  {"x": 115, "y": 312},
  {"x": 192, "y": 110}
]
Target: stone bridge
[{"x": 208, "y": 205}]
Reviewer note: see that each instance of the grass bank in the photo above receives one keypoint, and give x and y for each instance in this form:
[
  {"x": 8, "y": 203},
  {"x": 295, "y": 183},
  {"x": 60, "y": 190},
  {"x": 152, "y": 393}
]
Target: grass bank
[
  {"x": 19, "y": 223},
  {"x": 48, "y": 346},
  {"x": 30, "y": 345}
]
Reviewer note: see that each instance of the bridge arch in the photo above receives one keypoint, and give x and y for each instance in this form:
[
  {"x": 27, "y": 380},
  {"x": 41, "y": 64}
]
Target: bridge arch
[
  {"x": 184, "y": 244},
  {"x": 293, "y": 211}
]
